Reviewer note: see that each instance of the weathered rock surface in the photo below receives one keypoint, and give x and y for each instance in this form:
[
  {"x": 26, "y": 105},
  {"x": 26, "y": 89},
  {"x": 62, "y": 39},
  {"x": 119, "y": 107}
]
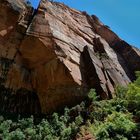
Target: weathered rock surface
[{"x": 52, "y": 56}]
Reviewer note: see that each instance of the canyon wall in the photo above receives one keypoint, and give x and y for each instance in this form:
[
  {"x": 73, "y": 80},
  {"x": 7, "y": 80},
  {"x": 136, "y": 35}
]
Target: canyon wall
[{"x": 52, "y": 56}]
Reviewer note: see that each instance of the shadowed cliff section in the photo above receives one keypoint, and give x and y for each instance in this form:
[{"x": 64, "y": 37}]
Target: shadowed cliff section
[
  {"x": 51, "y": 57},
  {"x": 16, "y": 16}
]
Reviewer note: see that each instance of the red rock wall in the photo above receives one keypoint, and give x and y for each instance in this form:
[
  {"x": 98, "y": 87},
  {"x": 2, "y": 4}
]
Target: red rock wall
[{"x": 55, "y": 54}]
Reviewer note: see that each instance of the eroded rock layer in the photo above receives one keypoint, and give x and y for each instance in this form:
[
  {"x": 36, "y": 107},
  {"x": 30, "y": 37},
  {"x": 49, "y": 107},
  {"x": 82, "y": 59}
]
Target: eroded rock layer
[{"x": 52, "y": 56}]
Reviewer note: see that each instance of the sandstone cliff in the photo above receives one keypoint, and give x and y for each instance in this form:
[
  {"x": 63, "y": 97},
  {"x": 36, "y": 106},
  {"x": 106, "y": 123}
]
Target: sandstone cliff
[{"x": 52, "y": 56}]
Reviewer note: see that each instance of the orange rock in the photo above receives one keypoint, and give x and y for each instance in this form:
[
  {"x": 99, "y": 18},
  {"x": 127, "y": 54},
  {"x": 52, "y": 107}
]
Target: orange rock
[{"x": 52, "y": 56}]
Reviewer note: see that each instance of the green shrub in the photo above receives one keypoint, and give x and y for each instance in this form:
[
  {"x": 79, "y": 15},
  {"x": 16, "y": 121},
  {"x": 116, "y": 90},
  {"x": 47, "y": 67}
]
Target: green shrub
[
  {"x": 92, "y": 95},
  {"x": 5, "y": 126},
  {"x": 115, "y": 124},
  {"x": 26, "y": 123},
  {"x": 133, "y": 95},
  {"x": 17, "y": 135},
  {"x": 121, "y": 91},
  {"x": 78, "y": 120},
  {"x": 66, "y": 134}
]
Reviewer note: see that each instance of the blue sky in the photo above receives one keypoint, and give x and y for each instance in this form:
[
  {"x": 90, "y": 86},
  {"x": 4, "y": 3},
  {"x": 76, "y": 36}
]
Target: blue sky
[{"x": 122, "y": 16}]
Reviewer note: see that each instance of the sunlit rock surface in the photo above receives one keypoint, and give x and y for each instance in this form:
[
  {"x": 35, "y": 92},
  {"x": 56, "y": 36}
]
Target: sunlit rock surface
[{"x": 52, "y": 56}]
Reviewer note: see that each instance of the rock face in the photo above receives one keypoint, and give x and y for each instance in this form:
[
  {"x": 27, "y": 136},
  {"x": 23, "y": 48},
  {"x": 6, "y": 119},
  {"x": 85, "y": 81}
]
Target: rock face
[{"x": 52, "y": 56}]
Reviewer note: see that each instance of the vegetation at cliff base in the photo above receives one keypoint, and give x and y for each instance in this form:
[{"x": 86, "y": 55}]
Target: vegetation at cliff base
[{"x": 115, "y": 119}]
